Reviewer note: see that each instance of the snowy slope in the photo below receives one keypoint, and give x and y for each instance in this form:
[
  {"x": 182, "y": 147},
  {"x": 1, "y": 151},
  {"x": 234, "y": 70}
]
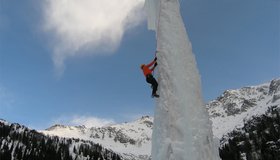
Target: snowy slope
[
  {"x": 182, "y": 129},
  {"x": 233, "y": 107},
  {"x": 131, "y": 140}
]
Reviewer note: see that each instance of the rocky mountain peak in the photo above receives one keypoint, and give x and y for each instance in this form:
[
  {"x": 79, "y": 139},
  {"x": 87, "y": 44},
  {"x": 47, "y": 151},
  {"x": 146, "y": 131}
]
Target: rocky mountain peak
[
  {"x": 233, "y": 102},
  {"x": 274, "y": 90},
  {"x": 146, "y": 120},
  {"x": 237, "y": 105},
  {"x": 274, "y": 86},
  {"x": 56, "y": 126}
]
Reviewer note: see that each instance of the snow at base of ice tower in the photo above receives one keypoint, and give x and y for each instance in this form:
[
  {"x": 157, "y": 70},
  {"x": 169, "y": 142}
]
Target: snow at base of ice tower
[{"x": 182, "y": 129}]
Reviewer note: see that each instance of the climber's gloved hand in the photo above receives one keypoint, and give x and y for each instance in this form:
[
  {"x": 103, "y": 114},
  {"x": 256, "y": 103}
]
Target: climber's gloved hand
[{"x": 155, "y": 59}]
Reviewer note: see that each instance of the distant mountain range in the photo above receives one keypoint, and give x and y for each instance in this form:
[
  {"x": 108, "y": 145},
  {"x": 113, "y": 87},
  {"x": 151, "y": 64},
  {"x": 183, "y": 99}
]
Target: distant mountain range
[
  {"x": 234, "y": 107},
  {"x": 232, "y": 112},
  {"x": 18, "y": 142},
  {"x": 132, "y": 140}
]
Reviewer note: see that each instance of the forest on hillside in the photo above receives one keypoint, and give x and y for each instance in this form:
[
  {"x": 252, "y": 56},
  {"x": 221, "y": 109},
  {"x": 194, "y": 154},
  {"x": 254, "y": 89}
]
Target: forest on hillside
[
  {"x": 20, "y": 143},
  {"x": 259, "y": 139}
]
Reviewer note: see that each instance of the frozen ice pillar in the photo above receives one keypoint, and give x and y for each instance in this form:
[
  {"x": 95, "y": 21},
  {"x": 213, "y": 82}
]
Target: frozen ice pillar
[{"x": 182, "y": 130}]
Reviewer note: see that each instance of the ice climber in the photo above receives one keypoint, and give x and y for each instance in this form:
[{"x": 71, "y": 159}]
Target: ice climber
[{"x": 147, "y": 70}]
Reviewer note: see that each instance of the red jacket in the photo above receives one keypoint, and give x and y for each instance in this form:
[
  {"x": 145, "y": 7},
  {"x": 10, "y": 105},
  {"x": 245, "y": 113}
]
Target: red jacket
[{"x": 146, "y": 68}]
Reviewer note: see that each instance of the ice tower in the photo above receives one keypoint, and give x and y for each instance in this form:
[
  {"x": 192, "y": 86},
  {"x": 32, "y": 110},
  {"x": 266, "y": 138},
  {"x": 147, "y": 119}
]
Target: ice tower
[{"x": 182, "y": 129}]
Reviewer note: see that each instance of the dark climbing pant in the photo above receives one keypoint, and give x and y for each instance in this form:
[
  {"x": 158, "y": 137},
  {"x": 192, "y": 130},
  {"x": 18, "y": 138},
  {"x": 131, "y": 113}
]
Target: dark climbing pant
[{"x": 150, "y": 79}]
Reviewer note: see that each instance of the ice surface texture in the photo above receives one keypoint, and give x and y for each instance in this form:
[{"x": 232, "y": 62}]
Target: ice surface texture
[{"x": 182, "y": 130}]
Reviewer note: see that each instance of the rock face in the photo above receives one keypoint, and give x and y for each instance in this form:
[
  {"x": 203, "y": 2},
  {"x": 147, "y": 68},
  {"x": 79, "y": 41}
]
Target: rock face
[{"x": 274, "y": 87}]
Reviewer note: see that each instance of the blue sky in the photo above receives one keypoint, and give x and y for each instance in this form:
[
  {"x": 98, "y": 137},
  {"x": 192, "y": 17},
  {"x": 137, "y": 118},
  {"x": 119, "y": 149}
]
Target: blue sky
[{"x": 236, "y": 43}]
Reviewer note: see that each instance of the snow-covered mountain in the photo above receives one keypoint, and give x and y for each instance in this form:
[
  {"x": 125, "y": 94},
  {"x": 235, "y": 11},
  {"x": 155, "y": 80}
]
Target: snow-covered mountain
[
  {"x": 22, "y": 143},
  {"x": 132, "y": 140},
  {"x": 228, "y": 112},
  {"x": 234, "y": 107}
]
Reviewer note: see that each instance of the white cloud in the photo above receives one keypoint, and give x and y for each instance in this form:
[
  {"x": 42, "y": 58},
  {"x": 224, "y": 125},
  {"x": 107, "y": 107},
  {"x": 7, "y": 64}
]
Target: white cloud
[
  {"x": 88, "y": 121},
  {"x": 92, "y": 26},
  {"x": 91, "y": 121}
]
